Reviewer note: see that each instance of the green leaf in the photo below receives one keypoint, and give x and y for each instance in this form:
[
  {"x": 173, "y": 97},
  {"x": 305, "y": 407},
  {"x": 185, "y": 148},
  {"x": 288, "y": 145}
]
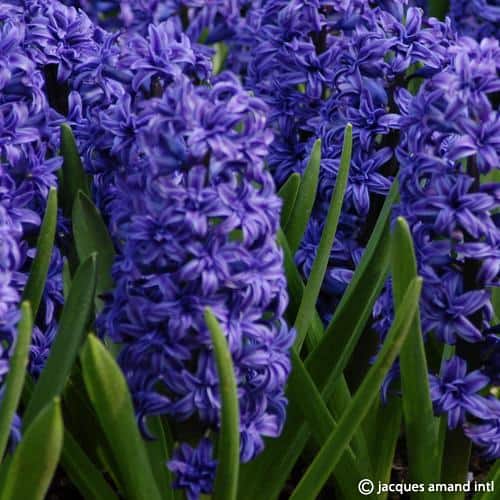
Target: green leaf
[
  {"x": 15, "y": 377},
  {"x": 80, "y": 469},
  {"x": 313, "y": 287},
  {"x": 439, "y": 8},
  {"x": 158, "y": 452},
  {"x": 420, "y": 424},
  {"x": 303, "y": 392},
  {"x": 494, "y": 479},
  {"x": 83, "y": 473},
  {"x": 456, "y": 458},
  {"x": 328, "y": 360},
  {"x": 35, "y": 459},
  {"x": 326, "y": 460},
  {"x": 72, "y": 327},
  {"x": 330, "y": 357},
  {"x": 112, "y": 402},
  {"x": 228, "y": 455},
  {"x": 296, "y": 290},
  {"x": 220, "y": 56},
  {"x": 33, "y": 290},
  {"x": 288, "y": 193},
  {"x": 304, "y": 203},
  {"x": 91, "y": 236},
  {"x": 74, "y": 178}
]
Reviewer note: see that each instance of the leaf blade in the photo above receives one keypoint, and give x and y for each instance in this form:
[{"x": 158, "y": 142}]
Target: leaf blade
[
  {"x": 91, "y": 236},
  {"x": 72, "y": 328},
  {"x": 226, "y": 480},
  {"x": 33, "y": 291},
  {"x": 74, "y": 177},
  {"x": 16, "y": 375},
  {"x": 418, "y": 415},
  {"x": 35, "y": 459},
  {"x": 112, "y": 402},
  {"x": 306, "y": 197},
  {"x": 313, "y": 287},
  {"x": 288, "y": 193},
  {"x": 318, "y": 472}
]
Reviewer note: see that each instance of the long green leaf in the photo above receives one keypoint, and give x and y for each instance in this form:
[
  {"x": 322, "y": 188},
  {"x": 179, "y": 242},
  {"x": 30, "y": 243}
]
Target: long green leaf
[
  {"x": 288, "y": 193},
  {"x": 74, "y": 178},
  {"x": 313, "y": 287},
  {"x": 327, "y": 361},
  {"x": 112, "y": 402},
  {"x": 35, "y": 459},
  {"x": 420, "y": 424},
  {"x": 15, "y": 378},
  {"x": 493, "y": 480},
  {"x": 83, "y": 473},
  {"x": 72, "y": 328},
  {"x": 302, "y": 391},
  {"x": 91, "y": 236},
  {"x": 304, "y": 203},
  {"x": 330, "y": 357},
  {"x": 456, "y": 458},
  {"x": 33, "y": 290},
  {"x": 226, "y": 480},
  {"x": 158, "y": 452},
  {"x": 80, "y": 469},
  {"x": 324, "y": 463}
]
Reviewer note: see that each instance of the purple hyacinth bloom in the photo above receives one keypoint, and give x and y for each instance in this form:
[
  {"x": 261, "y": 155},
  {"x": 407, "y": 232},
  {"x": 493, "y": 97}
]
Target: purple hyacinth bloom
[
  {"x": 194, "y": 468},
  {"x": 476, "y": 18},
  {"x": 320, "y": 66},
  {"x": 455, "y": 392},
  {"x": 29, "y": 136},
  {"x": 448, "y": 142}
]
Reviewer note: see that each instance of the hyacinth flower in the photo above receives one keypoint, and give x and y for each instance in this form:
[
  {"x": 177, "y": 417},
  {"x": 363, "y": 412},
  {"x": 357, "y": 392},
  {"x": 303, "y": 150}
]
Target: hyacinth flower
[
  {"x": 28, "y": 161},
  {"x": 448, "y": 152},
  {"x": 179, "y": 174},
  {"x": 476, "y": 18},
  {"x": 320, "y": 67}
]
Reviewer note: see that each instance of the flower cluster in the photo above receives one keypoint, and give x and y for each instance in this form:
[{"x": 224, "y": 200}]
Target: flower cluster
[
  {"x": 28, "y": 161},
  {"x": 210, "y": 22},
  {"x": 476, "y": 18},
  {"x": 449, "y": 147},
  {"x": 319, "y": 66},
  {"x": 178, "y": 164}
]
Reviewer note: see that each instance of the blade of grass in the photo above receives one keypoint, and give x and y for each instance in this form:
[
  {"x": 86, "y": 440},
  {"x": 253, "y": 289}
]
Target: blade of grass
[
  {"x": 74, "y": 178},
  {"x": 304, "y": 203},
  {"x": 317, "y": 474},
  {"x": 72, "y": 328},
  {"x": 35, "y": 285},
  {"x": 15, "y": 377},
  {"x": 313, "y": 287},
  {"x": 91, "y": 236},
  {"x": 228, "y": 456},
  {"x": 112, "y": 402},
  {"x": 420, "y": 424},
  {"x": 288, "y": 193},
  {"x": 35, "y": 459}
]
